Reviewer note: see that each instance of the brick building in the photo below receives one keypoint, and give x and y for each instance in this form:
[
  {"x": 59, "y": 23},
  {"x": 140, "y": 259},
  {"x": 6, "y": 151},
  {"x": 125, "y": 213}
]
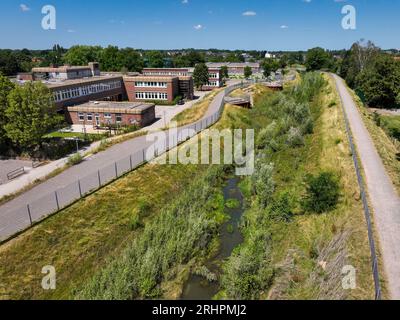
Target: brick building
[
  {"x": 237, "y": 68},
  {"x": 98, "y": 113}
]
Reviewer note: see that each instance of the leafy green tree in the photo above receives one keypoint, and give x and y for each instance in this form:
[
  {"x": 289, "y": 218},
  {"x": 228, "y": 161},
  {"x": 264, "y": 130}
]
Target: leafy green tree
[
  {"x": 111, "y": 59},
  {"x": 8, "y": 63},
  {"x": 380, "y": 82},
  {"x": 131, "y": 60},
  {"x": 155, "y": 59},
  {"x": 263, "y": 184},
  {"x": 200, "y": 75},
  {"x": 32, "y": 113},
  {"x": 82, "y": 55},
  {"x": 247, "y": 72},
  {"x": 5, "y": 87},
  {"x": 225, "y": 72},
  {"x": 269, "y": 65},
  {"x": 318, "y": 59}
]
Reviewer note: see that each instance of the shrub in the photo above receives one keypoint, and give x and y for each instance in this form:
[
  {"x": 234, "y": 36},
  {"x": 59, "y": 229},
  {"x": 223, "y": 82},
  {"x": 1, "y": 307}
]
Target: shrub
[
  {"x": 322, "y": 193},
  {"x": 75, "y": 159},
  {"x": 295, "y": 138},
  {"x": 263, "y": 184},
  {"x": 282, "y": 207}
]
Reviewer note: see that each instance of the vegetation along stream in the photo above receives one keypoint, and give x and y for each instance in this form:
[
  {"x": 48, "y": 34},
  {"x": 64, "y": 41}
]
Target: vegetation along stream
[{"x": 203, "y": 284}]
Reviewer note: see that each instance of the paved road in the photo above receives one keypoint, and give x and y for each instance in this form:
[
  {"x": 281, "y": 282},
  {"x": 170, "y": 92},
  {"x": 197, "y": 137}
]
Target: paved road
[
  {"x": 13, "y": 214},
  {"x": 383, "y": 196}
]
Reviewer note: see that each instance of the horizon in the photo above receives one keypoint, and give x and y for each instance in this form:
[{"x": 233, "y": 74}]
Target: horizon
[{"x": 286, "y": 25}]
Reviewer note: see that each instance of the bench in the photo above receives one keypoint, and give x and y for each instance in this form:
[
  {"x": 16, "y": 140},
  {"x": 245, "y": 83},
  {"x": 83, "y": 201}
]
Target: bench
[{"x": 15, "y": 173}]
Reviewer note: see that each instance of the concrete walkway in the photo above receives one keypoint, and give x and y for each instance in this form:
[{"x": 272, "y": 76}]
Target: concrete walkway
[{"x": 384, "y": 199}]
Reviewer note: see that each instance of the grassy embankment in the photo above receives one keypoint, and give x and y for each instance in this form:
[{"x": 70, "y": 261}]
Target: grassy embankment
[
  {"x": 290, "y": 253},
  {"x": 83, "y": 238},
  {"x": 197, "y": 111},
  {"x": 383, "y": 131}
]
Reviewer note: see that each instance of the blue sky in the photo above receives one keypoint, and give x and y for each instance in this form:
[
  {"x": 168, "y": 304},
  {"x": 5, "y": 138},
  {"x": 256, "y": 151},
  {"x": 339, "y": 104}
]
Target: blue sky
[{"x": 224, "y": 24}]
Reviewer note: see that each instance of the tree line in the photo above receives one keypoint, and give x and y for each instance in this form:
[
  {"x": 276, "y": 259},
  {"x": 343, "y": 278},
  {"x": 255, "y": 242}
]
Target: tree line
[{"x": 373, "y": 73}]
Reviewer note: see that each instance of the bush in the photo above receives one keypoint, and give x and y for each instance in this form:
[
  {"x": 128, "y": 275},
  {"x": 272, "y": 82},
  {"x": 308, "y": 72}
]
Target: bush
[
  {"x": 323, "y": 192},
  {"x": 295, "y": 138},
  {"x": 282, "y": 207},
  {"x": 75, "y": 159},
  {"x": 263, "y": 184}
]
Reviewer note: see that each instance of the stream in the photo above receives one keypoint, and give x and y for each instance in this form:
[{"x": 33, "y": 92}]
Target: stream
[{"x": 197, "y": 287}]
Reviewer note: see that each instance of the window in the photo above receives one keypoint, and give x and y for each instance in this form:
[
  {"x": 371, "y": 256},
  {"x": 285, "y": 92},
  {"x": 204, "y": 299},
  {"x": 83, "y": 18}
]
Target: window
[
  {"x": 89, "y": 117},
  {"x": 118, "y": 117},
  {"x": 81, "y": 116},
  {"x": 107, "y": 115}
]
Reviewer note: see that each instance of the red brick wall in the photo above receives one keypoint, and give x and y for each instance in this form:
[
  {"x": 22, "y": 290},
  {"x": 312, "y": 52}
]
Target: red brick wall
[
  {"x": 172, "y": 89},
  {"x": 144, "y": 119}
]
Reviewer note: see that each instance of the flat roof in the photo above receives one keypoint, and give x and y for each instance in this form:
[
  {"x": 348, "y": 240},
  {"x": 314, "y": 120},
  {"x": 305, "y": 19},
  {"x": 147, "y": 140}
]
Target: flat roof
[
  {"x": 150, "y": 78},
  {"x": 233, "y": 64},
  {"x": 60, "y": 69},
  {"x": 112, "y": 107},
  {"x": 63, "y": 83}
]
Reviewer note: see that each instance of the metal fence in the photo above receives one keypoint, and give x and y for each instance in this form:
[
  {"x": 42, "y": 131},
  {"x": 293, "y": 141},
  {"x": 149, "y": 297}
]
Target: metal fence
[
  {"x": 20, "y": 219},
  {"x": 374, "y": 258}
]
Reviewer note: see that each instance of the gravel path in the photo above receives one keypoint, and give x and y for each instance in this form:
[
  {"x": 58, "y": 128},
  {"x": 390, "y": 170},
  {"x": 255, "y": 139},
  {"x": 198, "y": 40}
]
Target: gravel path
[{"x": 384, "y": 199}]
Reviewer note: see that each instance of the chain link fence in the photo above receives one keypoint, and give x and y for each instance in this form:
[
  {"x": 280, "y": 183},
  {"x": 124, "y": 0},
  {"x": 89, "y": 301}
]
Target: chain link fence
[{"x": 18, "y": 220}]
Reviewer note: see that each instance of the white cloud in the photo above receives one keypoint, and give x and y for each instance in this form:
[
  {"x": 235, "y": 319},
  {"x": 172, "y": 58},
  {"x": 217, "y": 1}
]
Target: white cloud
[
  {"x": 249, "y": 13},
  {"x": 24, "y": 7},
  {"x": 198, "y": 27},
  {"x": 284, "y": 26},
  {"x": 71, "y": 31},
  {"x": 185, "y": 1},
  {"x": 307, "y": 1}
]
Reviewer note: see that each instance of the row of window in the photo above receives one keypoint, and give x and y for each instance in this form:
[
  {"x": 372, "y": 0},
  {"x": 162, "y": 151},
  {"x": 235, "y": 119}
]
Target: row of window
[
  {"x": 152, "y": 95},
  {"x": 214, "y": 76},
  {"x": 151, "y": 84},
  {"x": 107, "y": 116},
  {"x": 71, "y": 93},
  {"x": 166, "y": 73},
  {"x": 213, "y": 84}
]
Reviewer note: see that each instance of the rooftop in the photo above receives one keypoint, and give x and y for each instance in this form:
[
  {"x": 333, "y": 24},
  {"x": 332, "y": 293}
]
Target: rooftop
[
  {"x": 61, "y": 69},
  {"x": 233, "y": 64},
  {"x": 53, "y": 84},
  {"x": 113, "y": 107},
  {"x": 149, "y": 78}
]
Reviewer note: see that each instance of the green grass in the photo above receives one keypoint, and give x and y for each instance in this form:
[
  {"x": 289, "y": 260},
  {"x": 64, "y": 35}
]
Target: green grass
[
  {"x": 295, "y": 249},
  {"x": 64, "y": 135}
]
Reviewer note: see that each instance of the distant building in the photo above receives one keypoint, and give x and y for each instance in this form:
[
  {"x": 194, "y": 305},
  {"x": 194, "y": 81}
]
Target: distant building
[
  {"x": 269, "y": 56},
  {"x": 215, "y": 80},
  {"x": 97, "y": 113},
  {"x": 236, "y": 68}
]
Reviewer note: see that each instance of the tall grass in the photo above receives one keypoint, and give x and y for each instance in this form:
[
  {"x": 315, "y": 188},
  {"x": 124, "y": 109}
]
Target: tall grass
[
  {"x": 174, "y": 237},
  {"x": 249, "y": 272}
]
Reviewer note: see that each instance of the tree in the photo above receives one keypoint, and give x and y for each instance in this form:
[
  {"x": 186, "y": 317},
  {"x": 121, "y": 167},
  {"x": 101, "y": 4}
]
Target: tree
[
  {"x": 82, "y": 55},
  {"x": 200, "y": 75},
  {"x": 225, "y": 72},
  {"x": 32, "y": 110},
  {"x": 8, "y": 63},
  {"x": 131, "y": 60},
  {"x": 155, "y": 59},
  {"x": 318, "y": 59},
  {"x": 247, "y": 72},
  {"x": 269, "y": 65},
  {"x": 5, "y": 87},
  {"x": 111, "y": 59},
  {"x": 380, "y": 82}
]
